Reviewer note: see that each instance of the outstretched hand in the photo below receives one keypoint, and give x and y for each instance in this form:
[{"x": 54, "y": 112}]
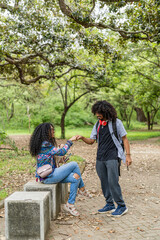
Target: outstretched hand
[
  {"x": 74, "y": 138},
  {"x": 79, "y": 137}
]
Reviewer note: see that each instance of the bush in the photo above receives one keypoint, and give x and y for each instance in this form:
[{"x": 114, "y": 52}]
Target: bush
[{"x": 5, "y": 140}]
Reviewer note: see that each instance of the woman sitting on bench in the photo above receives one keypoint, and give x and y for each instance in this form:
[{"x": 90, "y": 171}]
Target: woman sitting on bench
[{"x": 43, "y": 146}]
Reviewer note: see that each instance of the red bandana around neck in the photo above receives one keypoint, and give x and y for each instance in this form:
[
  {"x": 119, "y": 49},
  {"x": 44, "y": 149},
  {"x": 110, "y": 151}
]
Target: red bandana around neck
[{"x": 101, "y": 123}]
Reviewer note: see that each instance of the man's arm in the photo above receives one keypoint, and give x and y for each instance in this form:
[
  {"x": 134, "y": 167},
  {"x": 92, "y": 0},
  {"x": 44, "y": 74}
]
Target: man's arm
[
  {"x": 86, "y": 140},
  {"x": 127, "y": 148}
]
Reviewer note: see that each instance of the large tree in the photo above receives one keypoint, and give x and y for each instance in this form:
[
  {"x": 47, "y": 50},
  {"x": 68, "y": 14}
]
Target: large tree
[
  {"x": 135, "y": 20},
  {"x": 138, "y": 71},
  {"x": 38, "y": 45},
  {"x": 37, "y": 42},
  {"x": 76, "y": 85}
]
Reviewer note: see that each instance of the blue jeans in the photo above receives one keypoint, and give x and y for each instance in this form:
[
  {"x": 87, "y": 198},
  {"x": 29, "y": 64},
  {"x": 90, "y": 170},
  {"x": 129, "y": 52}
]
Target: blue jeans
[
  {"x": 109, "y": 177},
  {"x": 64, "y": 174}
]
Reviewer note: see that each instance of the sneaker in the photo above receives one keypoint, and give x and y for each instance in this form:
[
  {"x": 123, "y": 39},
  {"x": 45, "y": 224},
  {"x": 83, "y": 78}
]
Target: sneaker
[
  {"x": 71, "y": 209},
  {"x": 107, "y": 208},
  {"x": 119, "y": 211},
  {"x": 85, "y": 193}
]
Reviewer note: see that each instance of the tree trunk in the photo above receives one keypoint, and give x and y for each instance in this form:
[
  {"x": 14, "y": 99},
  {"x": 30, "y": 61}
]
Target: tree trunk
[
  {"x": 63, "y": 123},
  {"x": 129, "y": 118},
  {"x": 11, "y": 112},
  {"x": 148, "y": 121},
  {"x": 140, "y": 114}
]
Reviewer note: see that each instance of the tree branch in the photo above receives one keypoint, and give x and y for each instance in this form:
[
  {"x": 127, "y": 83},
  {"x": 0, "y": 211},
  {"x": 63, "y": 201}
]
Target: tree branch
[
  {"x": 59, "y": 86},
  {"x": 157, "y": 64},
  {"x": 24, "y": 59},
  {"x": 94, "y": 4},
  {"x": 59, "y": 76},
  {"x": 78, "y": 75},
  {"x": 16, "y": 3},
  {"x": 27, "y": 82},
  {"x": 8, "y": 7},
  {"x": 110, "y": 1},
  {"x": 66, "y": 10},
  {"x": 66, "y": 94},
  {"x": 8, "y": 85},
  {"x": 4, "y": 64},
  {"x": 149, "y": 78},
  {"x": 77, "y": 98}
]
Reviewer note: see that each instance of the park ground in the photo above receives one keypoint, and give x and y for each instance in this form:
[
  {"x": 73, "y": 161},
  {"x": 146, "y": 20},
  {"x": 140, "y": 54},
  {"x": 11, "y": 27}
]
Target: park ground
[{"x": 141, "y": 191}]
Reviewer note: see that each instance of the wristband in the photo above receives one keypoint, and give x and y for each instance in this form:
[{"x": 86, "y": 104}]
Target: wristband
[{"x": 128, "y": 154}]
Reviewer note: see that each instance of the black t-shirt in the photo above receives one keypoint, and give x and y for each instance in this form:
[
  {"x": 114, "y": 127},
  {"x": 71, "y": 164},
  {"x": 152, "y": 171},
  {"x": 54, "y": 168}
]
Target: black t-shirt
[{"x": 106, "y": 147}]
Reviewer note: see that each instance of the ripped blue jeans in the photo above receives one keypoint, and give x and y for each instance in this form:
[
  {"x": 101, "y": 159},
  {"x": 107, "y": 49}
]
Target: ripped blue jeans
[{"x": 64, "y": 174}]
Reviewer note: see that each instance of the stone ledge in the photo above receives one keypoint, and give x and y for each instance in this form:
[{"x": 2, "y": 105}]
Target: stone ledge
[
  {"x": 55, "y": 194},
  {"x": 27, "y": 215},
  {"x": 1, "y": 204}
]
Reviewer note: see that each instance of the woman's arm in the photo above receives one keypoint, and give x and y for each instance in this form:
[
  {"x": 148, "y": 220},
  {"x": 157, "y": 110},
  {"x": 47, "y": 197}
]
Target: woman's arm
[{"x": 62, "y": 151}]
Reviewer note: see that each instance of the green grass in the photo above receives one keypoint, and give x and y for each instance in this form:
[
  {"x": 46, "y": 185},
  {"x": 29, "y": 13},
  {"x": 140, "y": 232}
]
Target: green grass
[
  {"x": 142, "y": 135},
  {"x": 76, "y": 158},
  {"x": 3, "y": 194},
  {"x": 12, "y": 162},
  {"x": 134, "y": 134},
  {"x": 18, "y": 131},
  {"x": 15, "y": 169}
]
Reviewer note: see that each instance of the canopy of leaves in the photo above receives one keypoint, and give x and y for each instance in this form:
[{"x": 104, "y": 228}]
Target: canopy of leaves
[
  {"x": 37, "y": 43},
  {"x": 136, "y": 20}
]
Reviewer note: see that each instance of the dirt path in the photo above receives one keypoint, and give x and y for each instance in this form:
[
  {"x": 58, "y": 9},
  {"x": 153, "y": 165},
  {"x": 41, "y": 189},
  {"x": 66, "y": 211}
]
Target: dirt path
[{"x": 141, "y": 191}]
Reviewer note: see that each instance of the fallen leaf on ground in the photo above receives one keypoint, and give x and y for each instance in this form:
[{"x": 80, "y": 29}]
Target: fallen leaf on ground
[
  {"x": 112, "y": 231},
  {"x": 140, "y": 229}
]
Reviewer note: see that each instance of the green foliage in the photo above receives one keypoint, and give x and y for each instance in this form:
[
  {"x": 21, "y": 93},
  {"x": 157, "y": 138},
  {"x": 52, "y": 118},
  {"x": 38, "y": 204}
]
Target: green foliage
[
  {"x": 3, "y": 194},
  {"x": 62, "y": 58},
  {"x": 76, "y": 158},
  {"x": 5, "y": 140},
  {"x": 133, "y": 20},
  {"x": 142, "y": 135},
  {"x": 3, "y": 136},
  {"x": 137, "y": 129},
  {"x": 15, "y": 170}
]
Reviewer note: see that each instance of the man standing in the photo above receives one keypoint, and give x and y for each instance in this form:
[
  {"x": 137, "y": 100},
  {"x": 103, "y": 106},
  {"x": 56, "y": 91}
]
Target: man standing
[{"x": 109, "y": 153}]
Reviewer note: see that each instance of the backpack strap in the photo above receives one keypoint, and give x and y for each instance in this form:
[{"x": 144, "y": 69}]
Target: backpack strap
[
  {"x": 115, "y": 132},
  {"x": 114, "y": 126},
  {"x": 115, "y": 129},
  {"x": 97, "y": 129}
]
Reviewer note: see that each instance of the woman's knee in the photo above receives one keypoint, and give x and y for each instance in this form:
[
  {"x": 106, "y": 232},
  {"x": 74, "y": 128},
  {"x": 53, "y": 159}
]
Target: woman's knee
[
  {"x": 76, "y": 176},
  {"x": 75, "y": 164}
]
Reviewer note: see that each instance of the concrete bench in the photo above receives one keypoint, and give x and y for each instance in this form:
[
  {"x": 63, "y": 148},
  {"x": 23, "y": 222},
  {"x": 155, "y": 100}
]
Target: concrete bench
[
  {"x": 64, "y": 192},
  {"x": 27, "y": 215},
  {"x": 58, "y": 194}
]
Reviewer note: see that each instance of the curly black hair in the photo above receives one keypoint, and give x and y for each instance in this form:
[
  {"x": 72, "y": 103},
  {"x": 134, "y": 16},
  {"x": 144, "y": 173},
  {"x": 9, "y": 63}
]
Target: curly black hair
[
  {"x": 106, "y": 109},
  {"x": 41, "y": 133}
]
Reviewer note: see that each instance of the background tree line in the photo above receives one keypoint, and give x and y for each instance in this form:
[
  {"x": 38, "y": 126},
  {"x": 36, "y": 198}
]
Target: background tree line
[{"x": 58, "y": 57}]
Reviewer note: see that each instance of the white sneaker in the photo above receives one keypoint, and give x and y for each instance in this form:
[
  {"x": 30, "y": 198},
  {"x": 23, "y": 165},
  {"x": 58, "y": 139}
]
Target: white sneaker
[
  {"x": 71, "y": 208},
  {"x": 84, "y": 193}
]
